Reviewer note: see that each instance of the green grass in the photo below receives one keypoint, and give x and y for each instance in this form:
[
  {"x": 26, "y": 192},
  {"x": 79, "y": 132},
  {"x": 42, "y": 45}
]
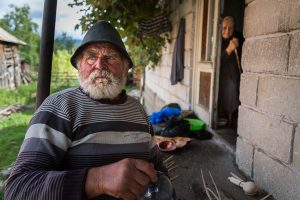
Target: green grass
[
  {"x": 24, "y": 94},
  {"x": 12, "y": 131}
]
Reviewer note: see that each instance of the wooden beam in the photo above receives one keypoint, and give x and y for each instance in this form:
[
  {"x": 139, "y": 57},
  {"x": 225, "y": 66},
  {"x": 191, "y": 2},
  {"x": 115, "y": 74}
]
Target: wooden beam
[{"x": 46, "y": 51}]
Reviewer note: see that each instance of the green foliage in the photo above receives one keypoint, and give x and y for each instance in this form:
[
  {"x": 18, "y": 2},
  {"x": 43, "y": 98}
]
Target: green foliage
[
  {"x": 63, "y": 72},
  {"x": 61, "y": 62},
  {"x": 19, "y": 23},
  {"x": 24, "y": 94},
  {"x": 64, "y": 42},
  {"x": 126, "y": 15}
]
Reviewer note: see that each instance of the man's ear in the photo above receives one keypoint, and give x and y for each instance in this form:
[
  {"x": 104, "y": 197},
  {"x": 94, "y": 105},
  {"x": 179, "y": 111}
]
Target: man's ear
[{"x": 126, "y": 66}]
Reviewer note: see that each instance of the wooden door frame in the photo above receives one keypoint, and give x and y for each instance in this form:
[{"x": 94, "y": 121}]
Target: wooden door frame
[{"x": 214, "y": 63}]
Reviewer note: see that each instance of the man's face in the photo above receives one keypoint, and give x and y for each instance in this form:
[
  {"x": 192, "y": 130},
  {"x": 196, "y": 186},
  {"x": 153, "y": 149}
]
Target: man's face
[
  {"x": 227, "y": 28},
  {"x": 102, "y": 71}
]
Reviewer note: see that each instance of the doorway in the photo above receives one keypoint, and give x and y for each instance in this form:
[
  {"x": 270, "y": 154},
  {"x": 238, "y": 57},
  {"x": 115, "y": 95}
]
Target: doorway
[
  {"x": 226, "y": 111},
  {"x": 206, "y": 30}
]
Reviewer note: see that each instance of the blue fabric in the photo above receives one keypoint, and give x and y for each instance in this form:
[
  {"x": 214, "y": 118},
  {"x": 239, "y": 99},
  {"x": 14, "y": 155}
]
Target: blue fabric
[{"x": 164, "y": 114}]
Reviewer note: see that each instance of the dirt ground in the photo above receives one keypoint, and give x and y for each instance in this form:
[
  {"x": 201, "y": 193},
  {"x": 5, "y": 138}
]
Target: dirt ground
[{"x": 209, "y": 156}]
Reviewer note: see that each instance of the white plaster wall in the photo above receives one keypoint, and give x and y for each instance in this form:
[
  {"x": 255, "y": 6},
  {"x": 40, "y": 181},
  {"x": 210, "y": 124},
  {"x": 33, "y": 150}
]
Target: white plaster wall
[{"x": 158, "y": 86}]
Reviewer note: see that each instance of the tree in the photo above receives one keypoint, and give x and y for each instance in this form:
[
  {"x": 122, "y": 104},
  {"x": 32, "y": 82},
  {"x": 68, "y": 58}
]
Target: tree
[
  {"x": 64, "y": 41},
  {"x": 125, "y": 15},
  {"x": 19, "y": 23},
  {"x": 61, "y": 62}
]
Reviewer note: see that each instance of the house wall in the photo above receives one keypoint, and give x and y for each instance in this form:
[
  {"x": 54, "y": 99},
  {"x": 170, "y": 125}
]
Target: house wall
[
  {"x": 10, "y": 71},
  {"x": 158, "y": 90},
  {"x": 268, "y": 145}
]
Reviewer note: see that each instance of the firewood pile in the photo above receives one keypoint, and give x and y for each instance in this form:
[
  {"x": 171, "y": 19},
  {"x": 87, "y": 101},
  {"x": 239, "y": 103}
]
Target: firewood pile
[{"x": 9, "y": 110}]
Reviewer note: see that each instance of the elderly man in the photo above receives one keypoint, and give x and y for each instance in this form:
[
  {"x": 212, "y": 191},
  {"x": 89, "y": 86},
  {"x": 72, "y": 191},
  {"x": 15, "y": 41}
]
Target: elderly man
[
  {"x": 90, "y": 142},
  {"x": 230, "y": 72}
]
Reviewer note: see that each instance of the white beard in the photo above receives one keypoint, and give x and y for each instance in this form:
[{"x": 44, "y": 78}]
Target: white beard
[{"x": 100, "y": 90}]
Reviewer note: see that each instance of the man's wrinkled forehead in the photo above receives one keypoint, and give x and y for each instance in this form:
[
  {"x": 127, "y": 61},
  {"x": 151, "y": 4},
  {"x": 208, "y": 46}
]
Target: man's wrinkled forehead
[{"x": 102, "y": 46}]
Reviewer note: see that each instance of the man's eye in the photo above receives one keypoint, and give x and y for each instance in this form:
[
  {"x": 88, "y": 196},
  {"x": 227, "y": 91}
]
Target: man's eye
[
  {"x": 92, "y": 57},
  {"x": 109, "y": 57}
]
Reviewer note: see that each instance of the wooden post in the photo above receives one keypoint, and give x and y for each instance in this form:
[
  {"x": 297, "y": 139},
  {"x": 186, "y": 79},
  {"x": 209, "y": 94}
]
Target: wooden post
[{"x": 46, "y": 51}]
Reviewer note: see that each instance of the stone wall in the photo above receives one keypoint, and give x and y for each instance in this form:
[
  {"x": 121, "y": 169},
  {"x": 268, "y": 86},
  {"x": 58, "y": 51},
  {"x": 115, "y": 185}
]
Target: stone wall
[
  {"x": 158, "y": 89},
  {"x": 268, "y": 146}
]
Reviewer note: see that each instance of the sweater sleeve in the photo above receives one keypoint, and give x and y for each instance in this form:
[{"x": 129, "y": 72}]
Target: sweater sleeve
[{"x": 37, "y": 172}]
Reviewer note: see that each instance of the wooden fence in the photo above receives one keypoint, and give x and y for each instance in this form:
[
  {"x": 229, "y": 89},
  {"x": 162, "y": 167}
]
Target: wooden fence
[{"x": 65, "y": 78}]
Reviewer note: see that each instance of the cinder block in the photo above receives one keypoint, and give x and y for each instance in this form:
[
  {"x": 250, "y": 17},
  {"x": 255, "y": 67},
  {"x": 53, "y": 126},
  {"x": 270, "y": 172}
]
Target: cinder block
[
  {"x": 186, "y": 7},
  {"x": 266, "y": 132},
  {"x": 248, "y": 1},
  {"x": 275, "y": 178},
  {"x": 164, "y": 83},
  {"x": 167, "y": 72},
  {"x": 164, "y": 60},
  {"x": 269, "y": 55},
  {"x": 294, "y": 63},
  {"x": 184, "y": 105},
  {"x": 189, "y": 23},
  {"x": 187, "y": 77},
  {"x": 248, "y": 89},
  {"x": 188, "y": 40},
  {"x": 296, "y": 154},
  {"x": 159, "y": 103},
  {"x": 271, "y": 16},
  {"x": 173, "y": 5},
  {"x": 188, "y": 55},
  {"x": 149, "y": 97},
  {"x": 280, "y": 96},
  {"x": 244, "y": 156},
  {"x": 294, "y": 14},
  {"x": 174, "y": 32},
  {"x": 182, "y": 92},
  {"x": 172, "y": 46},
  {"x": 166, "y": 97}
]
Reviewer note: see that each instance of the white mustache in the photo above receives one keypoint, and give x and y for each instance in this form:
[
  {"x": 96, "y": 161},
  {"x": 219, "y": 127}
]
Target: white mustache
[{"x": 100, "y": 74}]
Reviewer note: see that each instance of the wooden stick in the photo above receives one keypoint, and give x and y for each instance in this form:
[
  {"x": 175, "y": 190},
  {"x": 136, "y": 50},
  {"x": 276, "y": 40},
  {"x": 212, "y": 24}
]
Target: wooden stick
[
  {"x": 213, "y": 194},
  {"x": 266, "y": 197},
  {"x": 172, "y": 168},
  {"x": 204, "y": 184},
  {"x": 170, "y": 164},
  {"x": 174, "y": 177},
  {"x": 166, "y": 160},
  {"x": 215, "y": 185}
]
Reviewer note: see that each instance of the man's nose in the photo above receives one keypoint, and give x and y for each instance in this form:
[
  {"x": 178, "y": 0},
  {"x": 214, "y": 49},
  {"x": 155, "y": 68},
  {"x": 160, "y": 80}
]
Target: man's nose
[{"x": 101, "y": 63}]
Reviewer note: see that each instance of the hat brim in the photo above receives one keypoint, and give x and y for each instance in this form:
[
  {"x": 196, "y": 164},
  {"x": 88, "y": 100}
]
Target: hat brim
[{"x": 82, "y": 46}]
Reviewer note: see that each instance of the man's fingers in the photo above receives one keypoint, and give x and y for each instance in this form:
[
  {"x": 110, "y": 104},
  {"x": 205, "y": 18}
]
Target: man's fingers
[
  {"x": 147, "y": 168},
  {"x": 128, "y": 196},
  {"x": 141, "y": 178}
]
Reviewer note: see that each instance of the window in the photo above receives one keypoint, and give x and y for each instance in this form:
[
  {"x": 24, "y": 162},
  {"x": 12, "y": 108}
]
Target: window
[{"x": 207, "y": 30}]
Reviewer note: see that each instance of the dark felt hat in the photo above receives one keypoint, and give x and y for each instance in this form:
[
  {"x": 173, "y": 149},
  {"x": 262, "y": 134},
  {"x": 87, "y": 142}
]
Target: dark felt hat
[{"x": 102, "y": 31}]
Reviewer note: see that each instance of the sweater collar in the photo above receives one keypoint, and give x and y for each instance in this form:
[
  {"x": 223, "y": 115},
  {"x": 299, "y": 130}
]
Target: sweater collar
[{"x": 120, "y": 99}]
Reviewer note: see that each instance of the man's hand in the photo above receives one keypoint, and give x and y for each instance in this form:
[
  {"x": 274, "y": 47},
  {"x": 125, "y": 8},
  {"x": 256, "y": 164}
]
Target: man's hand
[
  {"x": 126, "y": 179},
  {"x": 233, "y": 44}
]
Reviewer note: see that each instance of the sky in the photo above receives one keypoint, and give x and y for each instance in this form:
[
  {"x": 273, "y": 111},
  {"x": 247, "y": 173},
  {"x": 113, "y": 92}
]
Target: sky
[{"x": 66, "y": 17}]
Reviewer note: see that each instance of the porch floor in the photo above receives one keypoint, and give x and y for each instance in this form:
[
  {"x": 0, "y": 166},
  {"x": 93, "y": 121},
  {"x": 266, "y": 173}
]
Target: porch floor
[{"x": 215, "y": 156}]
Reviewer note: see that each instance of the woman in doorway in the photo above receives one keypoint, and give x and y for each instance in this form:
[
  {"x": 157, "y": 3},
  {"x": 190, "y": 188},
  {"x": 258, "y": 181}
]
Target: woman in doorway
[{"x": 230, "y": 72}]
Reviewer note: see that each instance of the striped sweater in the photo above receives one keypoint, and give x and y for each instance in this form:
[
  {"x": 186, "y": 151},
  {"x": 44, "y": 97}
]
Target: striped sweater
[{"x": 70, "y": 133}]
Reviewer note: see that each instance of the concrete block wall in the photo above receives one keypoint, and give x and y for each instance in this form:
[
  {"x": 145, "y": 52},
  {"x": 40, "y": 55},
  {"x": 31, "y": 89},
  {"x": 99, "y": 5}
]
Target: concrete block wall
[
  {"x": 158, "y": 89},
  {"x": 268, "y": 145}
]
